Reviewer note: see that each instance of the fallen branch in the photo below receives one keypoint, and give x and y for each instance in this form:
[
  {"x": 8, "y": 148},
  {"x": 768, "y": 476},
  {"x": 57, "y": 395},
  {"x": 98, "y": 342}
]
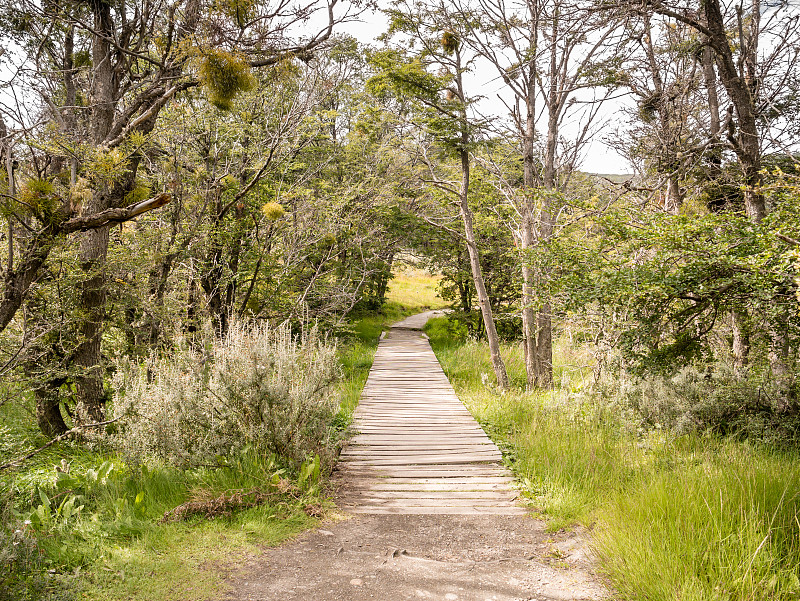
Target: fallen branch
[
  {"x": 59, "y": 438},
  {"x": 788, "y": 240},
  {"x": 222, "y": 505}
]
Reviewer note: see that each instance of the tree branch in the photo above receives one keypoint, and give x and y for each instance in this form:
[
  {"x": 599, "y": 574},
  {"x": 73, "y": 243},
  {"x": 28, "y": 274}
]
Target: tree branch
[
  {"x": 111, "y": 216},
  {"x": 59, "y": 438}
]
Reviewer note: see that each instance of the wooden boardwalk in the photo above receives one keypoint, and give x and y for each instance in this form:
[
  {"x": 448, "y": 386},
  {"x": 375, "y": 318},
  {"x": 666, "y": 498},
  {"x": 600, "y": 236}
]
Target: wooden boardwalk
[{"x": 418, "y": 450}]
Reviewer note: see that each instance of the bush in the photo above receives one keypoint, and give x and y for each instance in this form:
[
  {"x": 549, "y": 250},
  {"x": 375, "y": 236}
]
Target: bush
[
  {"x": 261, "y": 387},
  {"x": 715, "y": 398}
]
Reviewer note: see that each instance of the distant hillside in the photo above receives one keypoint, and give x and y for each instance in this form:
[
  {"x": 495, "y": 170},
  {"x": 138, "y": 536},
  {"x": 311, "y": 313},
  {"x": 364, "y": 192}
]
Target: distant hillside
[{"x": 617, "y": 178}]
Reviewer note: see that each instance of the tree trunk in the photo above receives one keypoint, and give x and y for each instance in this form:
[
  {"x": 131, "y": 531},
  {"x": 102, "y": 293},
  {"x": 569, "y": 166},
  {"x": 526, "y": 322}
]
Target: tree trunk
[
  {"x": 477, "y": 276},
  {"x": 544, "y": 329},
  {"x": 528, "y": 235},
  {"x": 48, "y": 412},
  {"x": 741, "y": 340},
  {"x": 94, "y": 245},
  {"x": 741, "y": 90},
  {"x": 673, "y": 199}
]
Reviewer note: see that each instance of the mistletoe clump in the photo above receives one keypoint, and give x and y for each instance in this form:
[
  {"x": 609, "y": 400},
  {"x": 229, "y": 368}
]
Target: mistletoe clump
[{"x": 224, "y": 75}]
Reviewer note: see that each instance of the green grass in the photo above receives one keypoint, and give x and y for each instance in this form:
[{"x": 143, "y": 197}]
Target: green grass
[
  {"x": 97, "y": 528},
  {"x": 101, "y": 535},
  {"x": 674, "y": 518}
]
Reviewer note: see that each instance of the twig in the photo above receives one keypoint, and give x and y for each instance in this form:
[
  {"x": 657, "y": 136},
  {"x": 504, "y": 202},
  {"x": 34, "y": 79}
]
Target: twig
[
  {"x": 59, "y": 438},
  {"x": 787, "y": 239}
]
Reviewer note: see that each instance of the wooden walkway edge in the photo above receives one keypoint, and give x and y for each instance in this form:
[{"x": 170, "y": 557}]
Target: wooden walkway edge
[{"x": 417, "y": 449}]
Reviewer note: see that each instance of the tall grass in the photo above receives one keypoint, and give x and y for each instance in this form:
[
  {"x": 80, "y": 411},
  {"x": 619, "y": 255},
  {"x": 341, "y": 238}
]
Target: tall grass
[{"x": 684, "y": 518}]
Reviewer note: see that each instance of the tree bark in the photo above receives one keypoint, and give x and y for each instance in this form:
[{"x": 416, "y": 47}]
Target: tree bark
[
  {"x": 477, "y": 276},
  {"x": 94, "y": 245},
  {"x": 528, "y": 240},
  {"x": 741, "y": 89},
  {"x": 741, "y": 340}
]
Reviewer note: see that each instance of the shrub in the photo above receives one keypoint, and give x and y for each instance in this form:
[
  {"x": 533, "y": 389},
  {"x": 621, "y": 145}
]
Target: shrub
[
  {"x": 260, "y": 387},
  {"x": 713, "y": 398}
]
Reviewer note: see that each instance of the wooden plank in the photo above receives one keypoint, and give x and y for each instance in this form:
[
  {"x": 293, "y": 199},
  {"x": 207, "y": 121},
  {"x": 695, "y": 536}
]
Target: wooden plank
[
  {"x": 480, "y": 496},
  {"x": 417, "y": 449},
  {"x": 378, "y": 510}
]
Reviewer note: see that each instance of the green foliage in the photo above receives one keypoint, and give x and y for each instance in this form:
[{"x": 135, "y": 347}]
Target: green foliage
[
  {"x": 40, "y": 198},
  {"x": 446, "y": 331},
  {"x": 716, "y": 399},
  {"x": 673, "y": 517},
  {"x": 240, "y": 11},
  {"x": 224, "y": 75},
  {"x": 672, "y": 279}
]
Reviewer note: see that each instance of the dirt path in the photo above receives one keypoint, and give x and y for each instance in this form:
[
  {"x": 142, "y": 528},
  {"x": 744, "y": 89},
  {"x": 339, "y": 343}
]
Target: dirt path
[{"x": 435, "y": 516}]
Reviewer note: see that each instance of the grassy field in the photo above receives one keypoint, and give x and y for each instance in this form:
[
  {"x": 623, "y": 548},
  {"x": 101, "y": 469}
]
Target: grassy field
[
  {"x": 673, "y": 518},
  {"x": 415, "y": 290}
]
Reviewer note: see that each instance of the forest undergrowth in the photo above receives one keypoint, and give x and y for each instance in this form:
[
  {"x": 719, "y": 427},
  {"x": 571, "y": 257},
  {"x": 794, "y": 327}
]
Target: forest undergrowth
[
  {"x": 146, "y": 513},
  {"x": 691, "y": 516}
]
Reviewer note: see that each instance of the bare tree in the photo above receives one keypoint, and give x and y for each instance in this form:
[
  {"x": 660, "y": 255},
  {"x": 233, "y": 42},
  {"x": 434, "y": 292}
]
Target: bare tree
[
  {"x": 440, "y": 33},
  {"x": 554, "y": 56}
]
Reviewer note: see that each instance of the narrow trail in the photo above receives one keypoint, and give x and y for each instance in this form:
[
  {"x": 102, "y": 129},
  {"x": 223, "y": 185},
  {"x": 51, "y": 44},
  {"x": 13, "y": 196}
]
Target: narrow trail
[
  {"x": 418, "y": 450},
  {"x": 431, "y": 512}
]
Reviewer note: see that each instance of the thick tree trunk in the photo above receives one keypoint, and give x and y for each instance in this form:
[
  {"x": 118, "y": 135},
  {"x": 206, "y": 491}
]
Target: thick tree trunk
[
  {"x": 673, "y": 199},
  {"x": 48, "y": 412},
  {"x": 94, "y": 245}
]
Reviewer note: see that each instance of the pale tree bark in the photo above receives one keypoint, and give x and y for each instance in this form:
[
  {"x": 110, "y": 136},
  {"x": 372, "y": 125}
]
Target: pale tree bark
[
  {"x": 477, "y": 277},
  {"x": 472, "y": 247},
  {"x": 543, "y": 52},
  {"x": 528, "y": 227}
]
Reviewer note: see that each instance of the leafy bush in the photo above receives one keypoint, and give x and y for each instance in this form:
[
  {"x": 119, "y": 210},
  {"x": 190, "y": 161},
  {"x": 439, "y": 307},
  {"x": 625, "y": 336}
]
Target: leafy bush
[
  {"x": 261, "y": 387},
  {"x": 713, "y": 398}
]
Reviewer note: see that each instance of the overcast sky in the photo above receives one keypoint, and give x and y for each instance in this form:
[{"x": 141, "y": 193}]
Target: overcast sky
[{"x": 597, "y": 156}]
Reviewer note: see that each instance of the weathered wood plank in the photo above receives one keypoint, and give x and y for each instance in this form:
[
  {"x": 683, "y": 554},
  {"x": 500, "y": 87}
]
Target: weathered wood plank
[{"x": 417, "y": 449}]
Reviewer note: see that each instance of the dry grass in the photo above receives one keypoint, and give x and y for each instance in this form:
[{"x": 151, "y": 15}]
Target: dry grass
[{"x": 415, "y": 288}]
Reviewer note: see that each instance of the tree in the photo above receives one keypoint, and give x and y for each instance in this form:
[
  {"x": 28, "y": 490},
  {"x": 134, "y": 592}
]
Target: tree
[
  {"x": 104, "y": 72},
  {"x": 443, "y": 105},
  {"x": 548, "y": 53}
]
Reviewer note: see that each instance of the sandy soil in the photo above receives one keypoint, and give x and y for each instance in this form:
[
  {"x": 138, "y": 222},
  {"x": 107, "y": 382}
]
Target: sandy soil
[{"x": 447, "y": 557}]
